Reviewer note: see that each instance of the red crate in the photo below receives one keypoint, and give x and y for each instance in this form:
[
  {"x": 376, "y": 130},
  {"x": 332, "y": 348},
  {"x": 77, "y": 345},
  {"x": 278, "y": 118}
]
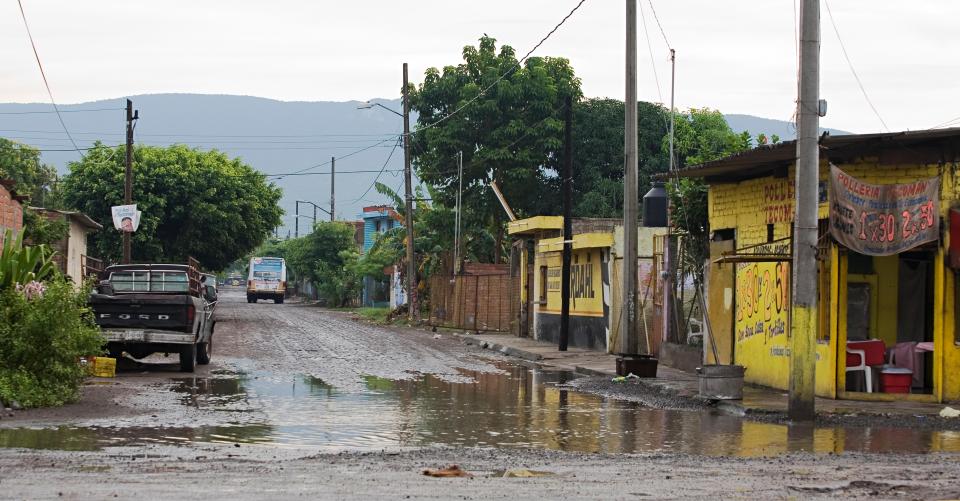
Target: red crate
[{"x": 895, "y": 380}]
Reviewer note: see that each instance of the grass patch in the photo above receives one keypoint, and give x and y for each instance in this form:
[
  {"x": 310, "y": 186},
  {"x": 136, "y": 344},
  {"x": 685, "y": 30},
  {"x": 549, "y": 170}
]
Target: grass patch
[{"x": 375, "y": 315}]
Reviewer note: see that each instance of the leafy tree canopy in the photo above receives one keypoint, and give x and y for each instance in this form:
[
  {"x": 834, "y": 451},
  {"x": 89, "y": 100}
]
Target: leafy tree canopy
[
  {"x": 598, "y": 153},
  {"x": 194, "y": 203},
  {"x": 21, "y": 163},
  {"x": 326, "y": 257},
  {"x": 512, "y": 133}
]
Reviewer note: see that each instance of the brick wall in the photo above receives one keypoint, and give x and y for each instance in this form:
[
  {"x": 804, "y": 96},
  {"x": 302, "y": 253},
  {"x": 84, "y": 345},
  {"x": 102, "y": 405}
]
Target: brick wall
[{"x": 11, "y": 212}]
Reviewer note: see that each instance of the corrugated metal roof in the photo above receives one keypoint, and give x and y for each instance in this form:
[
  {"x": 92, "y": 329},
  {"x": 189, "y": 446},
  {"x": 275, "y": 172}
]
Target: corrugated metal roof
[{"x": 767, "y": 159}]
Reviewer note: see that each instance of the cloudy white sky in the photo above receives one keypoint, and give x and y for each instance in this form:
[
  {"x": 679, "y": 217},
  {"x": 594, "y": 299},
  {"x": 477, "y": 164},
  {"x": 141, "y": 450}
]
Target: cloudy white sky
[{"x": 736, "y": 56}]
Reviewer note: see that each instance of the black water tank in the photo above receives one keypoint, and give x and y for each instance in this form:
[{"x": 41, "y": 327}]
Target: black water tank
[{"x": 655, "y": 207}]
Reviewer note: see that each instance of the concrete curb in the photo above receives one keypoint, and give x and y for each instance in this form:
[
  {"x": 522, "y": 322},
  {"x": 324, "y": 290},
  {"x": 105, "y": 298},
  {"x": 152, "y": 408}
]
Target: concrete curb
[{"x": 506, "y": 350}]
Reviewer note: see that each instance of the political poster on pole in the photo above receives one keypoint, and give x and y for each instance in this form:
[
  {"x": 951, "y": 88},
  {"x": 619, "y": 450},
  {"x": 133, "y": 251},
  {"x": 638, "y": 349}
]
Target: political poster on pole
[
  {"x": 883, "y": 219},
  {"x": 126, "y": 218}
]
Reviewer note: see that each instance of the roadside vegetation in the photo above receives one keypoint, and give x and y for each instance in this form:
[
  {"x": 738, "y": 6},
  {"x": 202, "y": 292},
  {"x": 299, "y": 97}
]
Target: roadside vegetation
[{"x": 46, "y": 328}]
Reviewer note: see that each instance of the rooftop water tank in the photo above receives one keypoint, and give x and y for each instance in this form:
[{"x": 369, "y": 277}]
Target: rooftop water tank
[{"x": 655, "y": 207}]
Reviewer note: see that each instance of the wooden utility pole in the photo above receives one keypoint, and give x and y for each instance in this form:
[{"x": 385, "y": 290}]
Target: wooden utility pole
[
  {"x": 803, "y": 321},
  {"x": 128, "y": 179},
  {"x": 408, "y": 191},
  {"x": 333, "y": 197},
  {"x": 628, "y": 310},
  {"x": 567, "y": 224}
]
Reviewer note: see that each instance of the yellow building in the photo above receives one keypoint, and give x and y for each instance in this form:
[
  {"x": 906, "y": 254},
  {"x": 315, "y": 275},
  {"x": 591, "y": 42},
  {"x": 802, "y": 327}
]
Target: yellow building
[
  {"x": 884, "y": 262},
  {"x": 594, "y": 280}
]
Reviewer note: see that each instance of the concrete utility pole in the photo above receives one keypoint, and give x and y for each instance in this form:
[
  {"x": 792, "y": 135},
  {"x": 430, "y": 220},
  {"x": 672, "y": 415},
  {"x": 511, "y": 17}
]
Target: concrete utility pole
[
  {"x": 333, "y": 197},
  {"x": 803, "y": 324},
  {"x": 408, "y": 189},
  {"x": 567, "y": 224},
  {"x": 296, "y": 220},
  {"x": 128, "y": 178},
  {"x": 629, "y": 331}
]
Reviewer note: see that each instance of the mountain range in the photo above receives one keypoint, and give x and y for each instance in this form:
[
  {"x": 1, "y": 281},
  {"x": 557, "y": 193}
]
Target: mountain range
[{"x": 275, "y": 137}]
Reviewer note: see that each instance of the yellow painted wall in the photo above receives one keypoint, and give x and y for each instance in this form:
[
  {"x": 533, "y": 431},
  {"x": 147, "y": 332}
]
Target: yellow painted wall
[
  {"x": 749, "y": 206},
  {"x": 762, "y": 322},
  {"x": 586, "y": 284}
]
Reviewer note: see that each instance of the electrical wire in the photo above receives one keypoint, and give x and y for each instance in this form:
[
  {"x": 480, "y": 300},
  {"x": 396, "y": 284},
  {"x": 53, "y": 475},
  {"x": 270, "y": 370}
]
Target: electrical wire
[
  {"x": 44, "y": 75},
  {"x": 348, "y": 155},
  {"x": 852, "y": 70},
  {"x": 646, "y": 35},
  {"x": 655, "y": 17},
  {"x": 516, "y": 65},
  {"x": 399, "y": 140},
  {"x": 365, "y": 171},
  {"x": 59, "y": 111},
  {"x": 112, "y": 133}
]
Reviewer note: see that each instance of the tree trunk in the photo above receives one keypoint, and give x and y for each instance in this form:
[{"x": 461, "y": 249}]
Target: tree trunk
[{"x": 498, "y": 240}]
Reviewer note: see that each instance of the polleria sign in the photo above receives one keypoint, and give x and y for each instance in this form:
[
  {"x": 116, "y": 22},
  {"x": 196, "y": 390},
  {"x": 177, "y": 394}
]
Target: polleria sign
[{"x": 883, "y": 219}]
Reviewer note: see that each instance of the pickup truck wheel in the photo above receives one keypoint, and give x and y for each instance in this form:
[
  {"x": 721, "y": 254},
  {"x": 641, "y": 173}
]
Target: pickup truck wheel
[
  {"x": 278, "y": 300},
  {"x": 188, "y": 355},
  {"x": 251, "y": 299},
  {"x": 204, "y": 352}
]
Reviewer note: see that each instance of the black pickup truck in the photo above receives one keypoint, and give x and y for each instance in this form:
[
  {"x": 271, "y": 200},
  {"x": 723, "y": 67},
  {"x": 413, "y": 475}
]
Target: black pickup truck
[{"x": 156, "y": 308}]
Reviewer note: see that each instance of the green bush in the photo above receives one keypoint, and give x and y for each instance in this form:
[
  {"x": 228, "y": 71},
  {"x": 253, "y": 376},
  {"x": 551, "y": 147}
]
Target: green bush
[{"x": 41, "y": 339}]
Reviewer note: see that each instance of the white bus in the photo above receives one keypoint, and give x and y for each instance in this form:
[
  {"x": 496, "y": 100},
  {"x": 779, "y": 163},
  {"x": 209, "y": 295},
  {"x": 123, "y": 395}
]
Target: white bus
[{"x": 267, "y": 279}]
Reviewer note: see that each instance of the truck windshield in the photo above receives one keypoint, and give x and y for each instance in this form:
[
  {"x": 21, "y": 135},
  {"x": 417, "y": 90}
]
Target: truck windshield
[{"x": 150, "y": 281}]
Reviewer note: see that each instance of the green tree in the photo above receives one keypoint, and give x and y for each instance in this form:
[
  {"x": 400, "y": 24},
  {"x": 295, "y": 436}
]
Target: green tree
[
  {"x": 511, "y": 134},
  {"x": 194, "y": 203},
  {"x": 39, "y": 181},
  {"x": 701, "y": 135},
  {"x": 598, "y": 153},
  {"x": 327, "y": 257}
]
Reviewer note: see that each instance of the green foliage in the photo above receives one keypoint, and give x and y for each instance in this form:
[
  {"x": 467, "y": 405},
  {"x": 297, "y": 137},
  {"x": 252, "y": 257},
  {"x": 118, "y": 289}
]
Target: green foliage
[
  {"x": 701, "y": 135},
  {"x": 512, "y": 134},
  {"x": 41, "y": 230},
  {"x": 40, "y": 341},
  {"x": 21, "y": 163},
  {"x": 327, "y": 257},
  {"x": 194, "y": 203},
  {"x": 598, "y": 154},
  {"x": 21, "y": 264}
]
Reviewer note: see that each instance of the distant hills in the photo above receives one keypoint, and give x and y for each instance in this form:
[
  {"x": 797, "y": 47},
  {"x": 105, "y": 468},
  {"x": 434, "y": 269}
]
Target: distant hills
[
  {"x": 757, "y": 125},
  {"x": 275, "y": 137}
]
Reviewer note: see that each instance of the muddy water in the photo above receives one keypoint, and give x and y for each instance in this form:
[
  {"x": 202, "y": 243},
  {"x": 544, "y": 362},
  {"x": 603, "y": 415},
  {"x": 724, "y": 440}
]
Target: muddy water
[{"x": 521, "y": 407}]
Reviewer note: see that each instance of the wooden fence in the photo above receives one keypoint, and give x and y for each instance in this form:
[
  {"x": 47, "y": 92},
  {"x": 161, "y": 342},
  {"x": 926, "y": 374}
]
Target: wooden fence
[{"x": 472, "y": 302}]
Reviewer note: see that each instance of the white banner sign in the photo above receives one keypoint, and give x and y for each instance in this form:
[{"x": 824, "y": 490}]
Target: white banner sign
[{"x": 126, "y": 217}]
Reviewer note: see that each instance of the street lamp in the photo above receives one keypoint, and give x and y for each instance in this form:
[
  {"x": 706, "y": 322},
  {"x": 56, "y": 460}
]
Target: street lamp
[
  {"x": 408, "y": 193},
  {"x": 296, "y": 221},
  {"x": 367, "y": 105}
]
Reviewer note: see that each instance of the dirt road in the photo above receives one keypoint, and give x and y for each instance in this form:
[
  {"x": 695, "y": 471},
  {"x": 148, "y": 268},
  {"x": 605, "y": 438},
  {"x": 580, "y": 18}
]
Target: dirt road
[{"x": 304, "y": 402}]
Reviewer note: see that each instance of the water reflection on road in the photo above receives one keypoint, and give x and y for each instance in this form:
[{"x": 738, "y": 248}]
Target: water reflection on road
[{"x": 522, "y": 407}]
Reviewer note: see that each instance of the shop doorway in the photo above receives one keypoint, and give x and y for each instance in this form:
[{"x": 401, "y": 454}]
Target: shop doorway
[{"x": 889, "y": 323}]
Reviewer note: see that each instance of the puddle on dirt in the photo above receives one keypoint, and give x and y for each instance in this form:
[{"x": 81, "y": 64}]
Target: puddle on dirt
[{"x": 521, "y": 407}]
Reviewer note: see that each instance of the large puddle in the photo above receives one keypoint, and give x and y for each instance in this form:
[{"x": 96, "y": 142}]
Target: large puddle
[{"x": 522, "y": 407}]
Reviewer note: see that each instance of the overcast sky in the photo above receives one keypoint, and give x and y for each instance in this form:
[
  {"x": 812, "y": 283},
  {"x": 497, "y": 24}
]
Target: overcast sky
[{"x": 735, "y": 56}]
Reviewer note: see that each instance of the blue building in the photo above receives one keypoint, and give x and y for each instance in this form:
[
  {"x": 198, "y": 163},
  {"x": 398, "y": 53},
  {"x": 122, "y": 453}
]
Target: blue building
[{"x": 378, "y": 219}]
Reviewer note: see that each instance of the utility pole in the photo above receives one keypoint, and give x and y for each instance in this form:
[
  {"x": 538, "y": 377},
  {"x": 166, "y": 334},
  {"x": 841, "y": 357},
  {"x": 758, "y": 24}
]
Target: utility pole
[
  {"x": 333, "y": 197},
  {"x": 803, "y": 324},
  {"x": 628, "y": 310},
  {"x": 673, "y": 75},
  {"x": 567, "y": 224},
  {"x": 408, "y": 190},
  {"x": 296, "y": 221},
  {"x": 128, "y": 178}
]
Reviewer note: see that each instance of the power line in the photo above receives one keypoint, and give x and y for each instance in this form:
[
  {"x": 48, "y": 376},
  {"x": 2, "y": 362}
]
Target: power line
[
  {"x": 379, "y": 174},
  {"x": 505, "y": 74},
  {"x": 348, "y": 155},
  {"x": 655, "y": 17},
  {"x": 112, "y": 133},
  {"x": 57, "y": 111},
  {"x": 952, "y": 121},
  {"x": 653, "y": 64},
  {"x": 365, "y": 171},
  {"x": 852, "y": 70},
  {"x": 44, "y": 75}
]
